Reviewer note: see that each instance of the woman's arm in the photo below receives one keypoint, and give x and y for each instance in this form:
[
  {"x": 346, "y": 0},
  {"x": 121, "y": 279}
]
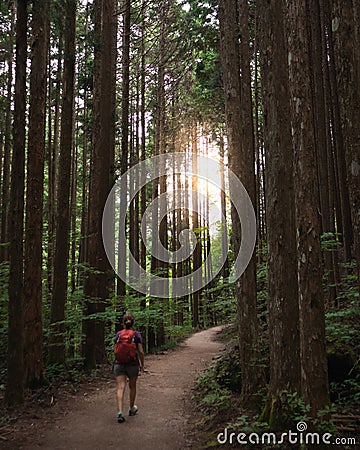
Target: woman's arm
[{"x": 141, "y": 356}]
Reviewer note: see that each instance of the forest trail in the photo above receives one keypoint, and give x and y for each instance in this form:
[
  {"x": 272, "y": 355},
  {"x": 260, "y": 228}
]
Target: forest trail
[{"x": 162, "y": 420}]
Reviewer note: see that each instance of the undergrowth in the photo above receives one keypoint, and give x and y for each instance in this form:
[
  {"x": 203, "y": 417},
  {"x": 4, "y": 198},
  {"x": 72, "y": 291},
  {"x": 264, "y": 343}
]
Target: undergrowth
[
  {"x": 215, "y": 388},
  {"x": 217, "y": 391}
]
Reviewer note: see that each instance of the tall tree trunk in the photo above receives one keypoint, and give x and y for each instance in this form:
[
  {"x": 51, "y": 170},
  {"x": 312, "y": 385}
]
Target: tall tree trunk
[
  {"x": 334, "y": 203},
  {"x": 161, "y": 132},
  {"x": 73, "y": 213},
  {"x": 143, "y": 131},
  {"x": 180, "y": 265},
  {"x": 281, "y": 238},
  {"x": 133, "y": 213},
  {"x": 331, "y": 185},
  {"x": 14, "y": 393},
  {"x": 257, "y": 143},
  {"x": 49, "y": 207},
  {"x": 125, "y": 100},
  {"x": 207, "y": 238},
  {"x": 96, "y": 284},
  {"x": 225, "y": 271},
  {"x": 61, "y": 260},
  {"x": 242, "y": 165},
  {"x": 137, "y": 156},
  {"x": 186, "y": 226},
  {"x": 344, "y": 204},
  {"x": 197, "y": 278},
  {"x": 320, "y": 129},
  {"x": 84, "y": 171},
  {"x": 52, "y": 157},
  {"x": 347, "y": 61},
  {"x": 318, "y": 107},
  {"x": 34, "y": 197},
  {"x": 4, "y": 232},
  {"x": 112, "y": 130},
  {"x": 314, "y": 382}
]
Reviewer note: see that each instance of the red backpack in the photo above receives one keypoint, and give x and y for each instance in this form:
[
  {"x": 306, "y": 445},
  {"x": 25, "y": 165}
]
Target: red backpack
[{"x": 125, "y": 347}]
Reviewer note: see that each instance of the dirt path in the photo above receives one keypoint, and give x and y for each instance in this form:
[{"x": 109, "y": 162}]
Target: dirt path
[{"x": 161, "y": 423}]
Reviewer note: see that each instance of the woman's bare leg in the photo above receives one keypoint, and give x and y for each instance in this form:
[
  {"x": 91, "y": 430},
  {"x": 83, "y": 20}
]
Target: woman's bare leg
[
  {"x": 132, "y": 389},
  {"x": 121, "y": 384}
]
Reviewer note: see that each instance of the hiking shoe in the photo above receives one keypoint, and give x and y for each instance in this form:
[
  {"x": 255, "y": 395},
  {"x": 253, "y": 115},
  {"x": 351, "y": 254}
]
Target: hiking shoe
[
  {"x": 120, "y": 418},
  {"x": 133, "y": 410}
]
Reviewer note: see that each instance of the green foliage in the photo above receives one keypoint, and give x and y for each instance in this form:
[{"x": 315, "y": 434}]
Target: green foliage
[
  {"x": 348, "y": 288},
  {"x": 285, "y": 411},
  {"x": 208, "y": 84},
  {"x": 216, "y": 389},
  {"x": 220, "y": 297},
  {"x": 228, "y": 371},
  {"x": 202, "y": 37},
  {"x": 5, "y": 37},
  {"x": 330, "y": 241},
  {"x": 347, "y": 393},
  {"x": 212, "y": 398},
  {"x": 343, "y": 327},
  {"x": 221, "y": 383},
  {"x": 343, "y": 344},
  {"x": 69, "y": 374},
  {"x": 177, "y": 333},
  {"x": 293, "y": 411}
]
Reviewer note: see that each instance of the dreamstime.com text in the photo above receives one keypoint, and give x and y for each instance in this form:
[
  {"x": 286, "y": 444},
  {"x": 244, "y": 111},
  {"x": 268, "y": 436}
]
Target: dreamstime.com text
[{"x": 301, "y": 436}]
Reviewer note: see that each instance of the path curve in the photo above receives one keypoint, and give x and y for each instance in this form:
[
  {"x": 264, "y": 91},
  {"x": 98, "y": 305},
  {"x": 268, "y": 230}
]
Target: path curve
[{"x": 161, "y": 423}]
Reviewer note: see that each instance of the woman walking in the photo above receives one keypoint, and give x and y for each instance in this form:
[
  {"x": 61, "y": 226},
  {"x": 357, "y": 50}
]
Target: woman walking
[{"x": 129, "y": 361}]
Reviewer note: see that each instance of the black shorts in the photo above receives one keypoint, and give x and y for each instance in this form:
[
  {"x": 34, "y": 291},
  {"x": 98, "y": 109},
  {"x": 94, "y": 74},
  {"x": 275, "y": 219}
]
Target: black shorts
[{"x": 129, "y": 370}]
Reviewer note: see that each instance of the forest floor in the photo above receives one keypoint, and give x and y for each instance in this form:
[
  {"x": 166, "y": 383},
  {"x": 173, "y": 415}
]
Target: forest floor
[{"x": 87, "y": 419}]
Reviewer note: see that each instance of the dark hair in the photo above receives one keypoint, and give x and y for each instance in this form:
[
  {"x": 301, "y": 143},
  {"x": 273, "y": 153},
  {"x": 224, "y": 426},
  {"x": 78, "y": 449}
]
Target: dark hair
[{"x": 128, "y": 321}]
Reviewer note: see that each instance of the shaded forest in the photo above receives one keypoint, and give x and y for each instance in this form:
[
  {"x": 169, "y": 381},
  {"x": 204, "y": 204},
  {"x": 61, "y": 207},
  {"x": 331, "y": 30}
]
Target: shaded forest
[{"x": 270, "y": 90}]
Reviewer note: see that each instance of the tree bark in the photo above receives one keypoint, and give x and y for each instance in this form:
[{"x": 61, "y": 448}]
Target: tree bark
[
  {"x": 344, "y": 212},
  {"x": 96, "y": 283},
  {"x": 241, "y": 163},
  {"x": 34, "y": 367},
  {"x": 14, "y": 393},
  {"x": 347, "y": 61},
  {"x": 320, "y": 129},
  {"x": 61, "y": 259},
  {"x": 224, "y": 229},
  {"x": 5, "y": 192},
  {"x": 143, "y": 130},
  {"x": 280, "y": 216},
  {"x": 52, "y": 157},
  {"x": 196, "y": 226},
  {"x": 125, "y": 100},
  {"x": 314, "y": 382},
  {"x": 84, "y": 171}
]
